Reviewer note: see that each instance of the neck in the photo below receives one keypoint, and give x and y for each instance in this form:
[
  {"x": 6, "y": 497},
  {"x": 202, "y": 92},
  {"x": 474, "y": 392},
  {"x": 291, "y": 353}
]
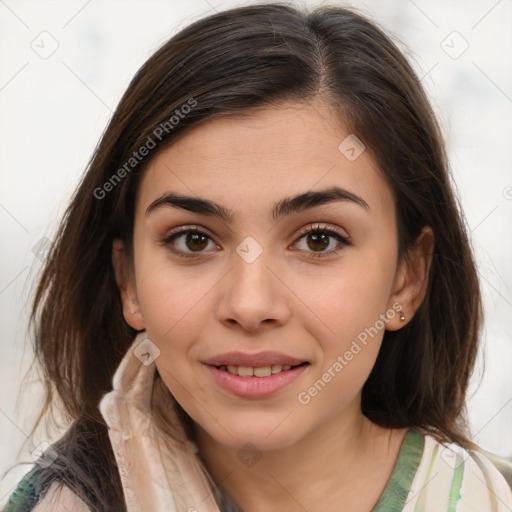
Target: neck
[{"x": 334, "y": 460}]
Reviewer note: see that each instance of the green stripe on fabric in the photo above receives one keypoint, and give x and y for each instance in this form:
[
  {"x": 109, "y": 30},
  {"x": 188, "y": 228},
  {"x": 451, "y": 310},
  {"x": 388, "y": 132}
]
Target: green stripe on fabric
[
  {"x": 420, "y": 504},
  {"x": 456, "y": 485},
  {"x": 397, "y": 489}
]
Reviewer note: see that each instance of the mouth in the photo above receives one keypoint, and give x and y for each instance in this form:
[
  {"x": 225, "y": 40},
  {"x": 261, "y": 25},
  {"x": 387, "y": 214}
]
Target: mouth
[
  {"x": 256, "y": 382},
  {"x": 258, "y": 371}
]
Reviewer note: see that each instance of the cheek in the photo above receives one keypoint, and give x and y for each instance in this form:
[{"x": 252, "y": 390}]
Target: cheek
[
  {"x": 172, "y": 296},
  {"x": 346, "y": 314},
  {"x": 349, "y": 299},
  {"x": 174, "y": 306},
  {"x": 348, "y": 327}
]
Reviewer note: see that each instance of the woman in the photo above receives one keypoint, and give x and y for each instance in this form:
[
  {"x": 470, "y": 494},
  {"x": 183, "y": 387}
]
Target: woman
[{"x": 262, "y": 295}]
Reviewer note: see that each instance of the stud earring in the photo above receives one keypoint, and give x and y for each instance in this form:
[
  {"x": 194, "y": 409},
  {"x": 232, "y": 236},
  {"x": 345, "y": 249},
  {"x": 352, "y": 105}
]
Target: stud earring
[{"x": 402, "y": 316}]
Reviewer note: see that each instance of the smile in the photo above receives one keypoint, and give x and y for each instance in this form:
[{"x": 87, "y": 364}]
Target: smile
[
  {"x": 256, "y": 382},
  {"x": 259, "y": 371}
]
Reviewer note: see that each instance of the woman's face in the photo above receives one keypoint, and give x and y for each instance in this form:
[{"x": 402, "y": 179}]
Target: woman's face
[{"x": 254, "y": 291}]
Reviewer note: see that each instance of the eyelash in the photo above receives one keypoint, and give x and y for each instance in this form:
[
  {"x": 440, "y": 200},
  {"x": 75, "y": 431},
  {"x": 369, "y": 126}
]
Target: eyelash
[{"x": 310, "y": 230}]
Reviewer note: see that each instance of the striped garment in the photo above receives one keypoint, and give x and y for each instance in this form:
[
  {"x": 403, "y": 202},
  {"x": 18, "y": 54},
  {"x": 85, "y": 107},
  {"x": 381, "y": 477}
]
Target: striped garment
[
  {"x": 427, "y": 477},
  {"x": 434, "y": 477}
]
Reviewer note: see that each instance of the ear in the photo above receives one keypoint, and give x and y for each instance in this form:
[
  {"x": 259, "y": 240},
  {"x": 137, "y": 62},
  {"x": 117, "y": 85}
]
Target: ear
[
  {"x": 125, "y": 279},
  {"x": 411, "y": 280}
]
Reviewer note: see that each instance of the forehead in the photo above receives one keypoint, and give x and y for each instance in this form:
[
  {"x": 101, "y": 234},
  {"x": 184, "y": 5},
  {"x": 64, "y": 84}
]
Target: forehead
[{"x": 245, "y": 161}]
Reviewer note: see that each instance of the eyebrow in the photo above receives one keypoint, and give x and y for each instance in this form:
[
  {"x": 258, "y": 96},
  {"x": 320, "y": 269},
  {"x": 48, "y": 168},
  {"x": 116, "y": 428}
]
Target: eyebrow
[{"x": 280, "y": 209}]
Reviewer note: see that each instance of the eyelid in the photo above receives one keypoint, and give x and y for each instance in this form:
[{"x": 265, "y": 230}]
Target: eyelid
[
  {"x": 189, "y": 227},
  {"x": 320, "y": 226}
]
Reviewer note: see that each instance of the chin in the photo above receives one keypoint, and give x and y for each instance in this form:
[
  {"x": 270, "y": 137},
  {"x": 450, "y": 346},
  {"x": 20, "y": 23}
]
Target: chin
[{"x": 253, "y": 430}]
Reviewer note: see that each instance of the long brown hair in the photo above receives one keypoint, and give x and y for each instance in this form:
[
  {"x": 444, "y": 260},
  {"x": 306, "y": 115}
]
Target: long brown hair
[{"x": 229, "y": 63}]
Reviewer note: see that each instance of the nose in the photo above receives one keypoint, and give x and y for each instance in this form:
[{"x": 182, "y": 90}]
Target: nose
[{"x": 253, "y": 295}]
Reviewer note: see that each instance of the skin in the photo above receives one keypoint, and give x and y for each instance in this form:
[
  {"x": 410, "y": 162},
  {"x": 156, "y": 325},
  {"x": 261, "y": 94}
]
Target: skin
[{"x": 286, "y": 300}]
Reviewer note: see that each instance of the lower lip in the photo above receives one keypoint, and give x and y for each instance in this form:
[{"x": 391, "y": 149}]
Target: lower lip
[{"x": 256, "y": 387}]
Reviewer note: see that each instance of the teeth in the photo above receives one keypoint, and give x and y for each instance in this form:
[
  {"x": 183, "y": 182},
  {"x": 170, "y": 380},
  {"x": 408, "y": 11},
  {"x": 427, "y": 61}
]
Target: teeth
[
  {"x": 264, "y": 371},
  {"x": 261, "y": 371},
  {"x": 245, "y": 371}
]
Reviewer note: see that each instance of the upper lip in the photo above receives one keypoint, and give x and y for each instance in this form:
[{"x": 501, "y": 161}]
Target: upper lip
[{"x": 267, "y": 358}]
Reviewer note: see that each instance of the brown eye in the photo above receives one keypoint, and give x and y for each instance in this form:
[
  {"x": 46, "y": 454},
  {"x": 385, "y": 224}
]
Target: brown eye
[
  {"x": 318, "y": 242},
  {"x": 318, "y": 239},
  {"x": 196, "y": 241},
  {"x": 188, "y": 242}
]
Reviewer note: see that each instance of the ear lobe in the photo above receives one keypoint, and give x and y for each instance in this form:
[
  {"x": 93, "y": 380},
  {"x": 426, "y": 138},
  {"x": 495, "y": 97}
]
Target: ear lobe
[
  {"x": 125, "y": 280},
  {"x": 412, "y": 279}
]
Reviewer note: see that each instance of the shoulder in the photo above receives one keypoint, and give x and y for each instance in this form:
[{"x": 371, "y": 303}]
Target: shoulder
[
  {"x": 449, "y": 475},
  {"x": 29, "y": 497}
]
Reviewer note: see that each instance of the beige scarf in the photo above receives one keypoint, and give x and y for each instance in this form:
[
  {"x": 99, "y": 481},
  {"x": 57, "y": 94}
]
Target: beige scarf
[{"x": 159, "y": 466}]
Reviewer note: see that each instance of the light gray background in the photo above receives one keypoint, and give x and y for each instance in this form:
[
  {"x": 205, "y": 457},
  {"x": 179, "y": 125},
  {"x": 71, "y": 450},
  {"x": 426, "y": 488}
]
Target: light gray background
[{"x": 55, "y": 107}]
